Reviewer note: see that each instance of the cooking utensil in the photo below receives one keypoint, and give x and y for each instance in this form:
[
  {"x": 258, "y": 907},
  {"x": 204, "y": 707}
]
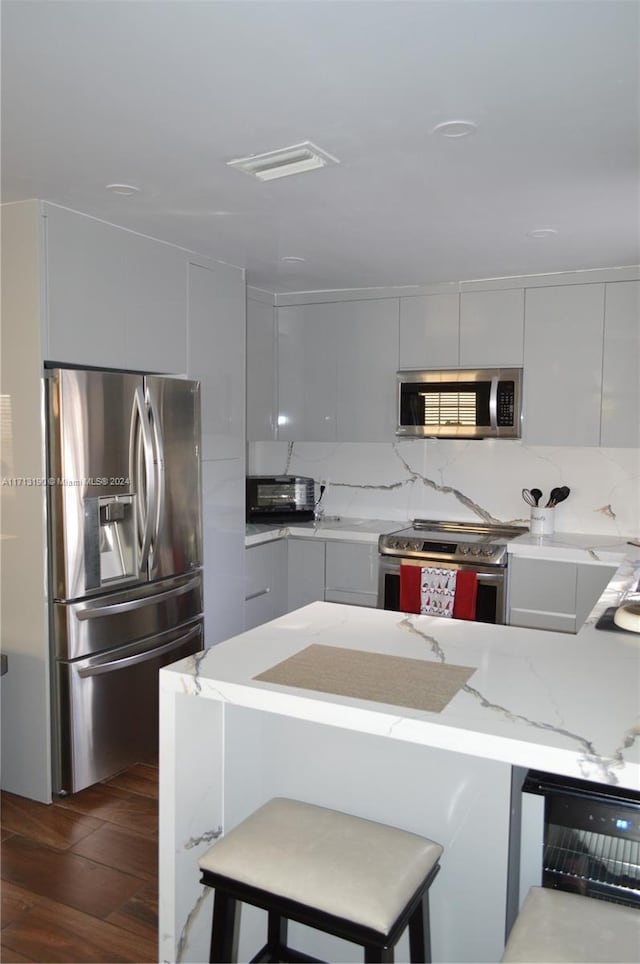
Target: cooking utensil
[
  {"x": 557, "y": 495},
  {"x": 532, "y": 496}
]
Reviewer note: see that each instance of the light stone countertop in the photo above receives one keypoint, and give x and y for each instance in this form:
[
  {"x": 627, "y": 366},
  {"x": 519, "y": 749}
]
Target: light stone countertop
[
  {"x": 557, "y": 702},
  {"x": 561, "y": 547},
  {"x": 333, "y": 527},
  {"x": 568, "y": 704}
]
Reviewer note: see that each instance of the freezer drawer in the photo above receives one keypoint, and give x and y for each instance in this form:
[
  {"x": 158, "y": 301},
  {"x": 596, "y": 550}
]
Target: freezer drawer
[
  {"x": 107, "y": 708},
  {"x": 91, "y": 626}
]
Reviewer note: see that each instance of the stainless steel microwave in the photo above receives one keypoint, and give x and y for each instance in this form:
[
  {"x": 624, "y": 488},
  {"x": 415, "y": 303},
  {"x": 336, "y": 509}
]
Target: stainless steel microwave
[{"x": 460, "y": 403}]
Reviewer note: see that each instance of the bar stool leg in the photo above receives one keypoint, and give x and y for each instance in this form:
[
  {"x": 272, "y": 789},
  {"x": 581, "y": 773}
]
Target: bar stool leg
[
  {"x": 276, "y": 935},
  {"x": 420, "y": 934},
  {"x": 378, "y": 955},
  {"x": 223, "y": 932}
]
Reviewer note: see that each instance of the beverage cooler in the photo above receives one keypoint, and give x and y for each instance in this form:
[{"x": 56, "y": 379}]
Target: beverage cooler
[{"x": 580, "y": 836}]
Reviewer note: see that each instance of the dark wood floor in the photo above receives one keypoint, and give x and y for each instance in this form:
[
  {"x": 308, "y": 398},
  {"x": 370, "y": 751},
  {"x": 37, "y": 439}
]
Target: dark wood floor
[{"x": 79, "y": 877}]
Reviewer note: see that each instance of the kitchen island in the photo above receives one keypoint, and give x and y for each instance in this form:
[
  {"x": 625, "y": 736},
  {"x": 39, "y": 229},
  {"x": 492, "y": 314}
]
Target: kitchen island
[{"x": 551, "y": 701}]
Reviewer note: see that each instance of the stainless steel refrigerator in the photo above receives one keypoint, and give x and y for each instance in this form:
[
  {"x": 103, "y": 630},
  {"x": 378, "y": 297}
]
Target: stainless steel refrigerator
[{"x": 125, "y": 560}]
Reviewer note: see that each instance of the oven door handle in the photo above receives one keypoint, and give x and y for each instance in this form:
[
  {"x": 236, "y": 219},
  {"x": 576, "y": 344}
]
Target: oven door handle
[{"x": 496, "y": 574}]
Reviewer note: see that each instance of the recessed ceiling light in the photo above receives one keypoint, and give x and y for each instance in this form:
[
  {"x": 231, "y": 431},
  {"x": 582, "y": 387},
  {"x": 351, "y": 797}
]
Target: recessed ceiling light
[
  {"x": 455, "y": 128},
  {"x": 288, "y": 160},
  {"x": 292, "y": 259},
  {"x": 123, "y": 189},
  {"x": 542, "y": 233}
]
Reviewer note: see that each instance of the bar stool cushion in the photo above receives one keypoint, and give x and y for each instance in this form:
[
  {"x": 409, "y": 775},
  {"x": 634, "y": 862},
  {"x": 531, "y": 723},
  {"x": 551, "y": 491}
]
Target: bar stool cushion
[
  {"x": 554, "y": 926},
  {"x": 357, "y": 869}
]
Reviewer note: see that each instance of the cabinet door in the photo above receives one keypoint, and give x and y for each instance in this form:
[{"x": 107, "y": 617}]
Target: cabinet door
[
  {"x": 563, "y": 365},
  {"x": 491, "y": 328},
  {"x": 429, "y": 331},
  {"x": 351, "y": 573},
  {"x": 216, "y": 356},
  {"x": 261, "y": 372},
  {"x": 305, "y": 565},
  {"x": 224, "y": 553},
  {"x": 621, "y": 366},
  {"x": 367, "y": 361},
  {"x": 114, "y": 298},
  {"x": 265, "y": 582},
  {"x": 542, "y": 594},
  {"x": 592, "y": 581},
  {"x": 307, "y": 373}
]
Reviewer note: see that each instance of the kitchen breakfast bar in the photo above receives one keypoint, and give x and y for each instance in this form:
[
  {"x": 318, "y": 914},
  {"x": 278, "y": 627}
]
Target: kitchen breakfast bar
[{"x": 338, "y": 720}]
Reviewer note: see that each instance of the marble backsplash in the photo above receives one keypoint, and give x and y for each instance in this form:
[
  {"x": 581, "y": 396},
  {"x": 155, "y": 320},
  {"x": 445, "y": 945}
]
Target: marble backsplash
[{"x": 464, "y": 480}]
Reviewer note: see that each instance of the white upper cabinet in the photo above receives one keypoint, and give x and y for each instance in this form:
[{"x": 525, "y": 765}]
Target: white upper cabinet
[
  {"x": 563, "y": 364},
  {"x": 621, "y": 365},
  {"x": 492, "y": 328},
  {"x": 429, "y": 331},
  {"x": 262, "y": 391},
  {"x": 336, "y": 371},
  {"x": 307, "y": 373},
  {"x": 216, "y": 355},
  {"x": 367, "y": 356},
  {"x": 114, "y": 298},
  {"x": 477, "y": 329}
]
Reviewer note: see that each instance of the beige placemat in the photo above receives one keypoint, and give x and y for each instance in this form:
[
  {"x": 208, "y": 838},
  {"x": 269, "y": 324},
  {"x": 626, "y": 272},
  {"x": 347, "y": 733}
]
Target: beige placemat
[{"x": 415, "y": 683}]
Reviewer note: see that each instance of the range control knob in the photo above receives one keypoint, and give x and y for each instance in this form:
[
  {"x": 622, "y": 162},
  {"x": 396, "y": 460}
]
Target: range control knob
[
  {"x": 464, "y": 550},
  {"x": 475, "y": 550},
  {"x": 417, "y": 544}
]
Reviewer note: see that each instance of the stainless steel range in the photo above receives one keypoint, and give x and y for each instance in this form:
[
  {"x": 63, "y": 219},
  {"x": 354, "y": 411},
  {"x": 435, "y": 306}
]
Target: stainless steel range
[{"x": 466, "y": 546}]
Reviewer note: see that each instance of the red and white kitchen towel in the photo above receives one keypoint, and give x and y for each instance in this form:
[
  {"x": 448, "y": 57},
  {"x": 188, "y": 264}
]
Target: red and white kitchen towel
[{"x": 438, "y": 592}]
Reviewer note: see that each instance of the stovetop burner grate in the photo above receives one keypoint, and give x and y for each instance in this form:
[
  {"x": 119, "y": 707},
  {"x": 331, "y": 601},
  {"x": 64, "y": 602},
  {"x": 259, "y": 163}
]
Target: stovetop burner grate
[{"x": 451, "y": 542}]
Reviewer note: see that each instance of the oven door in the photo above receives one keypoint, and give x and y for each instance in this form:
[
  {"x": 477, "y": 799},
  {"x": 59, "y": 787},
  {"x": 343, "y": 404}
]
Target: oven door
[{"x": 492, "y": 598}]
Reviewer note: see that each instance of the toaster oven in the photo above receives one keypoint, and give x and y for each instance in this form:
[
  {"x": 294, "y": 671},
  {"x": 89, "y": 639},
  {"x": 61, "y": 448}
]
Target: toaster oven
[{"x": 280, "y": 498}]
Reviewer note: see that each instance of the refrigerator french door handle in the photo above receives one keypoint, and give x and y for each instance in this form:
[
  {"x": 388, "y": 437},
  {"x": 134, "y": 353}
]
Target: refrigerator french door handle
[
  {"x": 493, "y": 402},
  {"x": 154, "y": 418},
  {"x": 132, "y": 604},
  {"x": 145, "y": 493},
  {"x": 125, "y": 661}
]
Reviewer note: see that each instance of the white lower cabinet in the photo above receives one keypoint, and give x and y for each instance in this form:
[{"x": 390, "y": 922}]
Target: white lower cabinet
[
  {"x": 351, "y": 573},
  {"x": 265, "y": 582},
  {"x": 554, "y": 595},
  {"x": 305, "y": 564},
  {"x": 289, "y": 573}
]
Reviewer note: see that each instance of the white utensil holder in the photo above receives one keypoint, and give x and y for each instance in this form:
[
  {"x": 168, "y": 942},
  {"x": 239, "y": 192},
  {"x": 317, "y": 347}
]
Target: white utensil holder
[{"x": 542, "y": 521}]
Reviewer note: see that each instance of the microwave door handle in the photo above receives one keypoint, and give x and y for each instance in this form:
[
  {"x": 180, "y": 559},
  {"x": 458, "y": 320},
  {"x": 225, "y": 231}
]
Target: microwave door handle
[{"x": 493, "y": 402}]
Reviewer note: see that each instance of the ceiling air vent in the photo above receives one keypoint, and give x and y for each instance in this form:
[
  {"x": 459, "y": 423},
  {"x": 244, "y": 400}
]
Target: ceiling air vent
[{"x": 288, "y": 160}]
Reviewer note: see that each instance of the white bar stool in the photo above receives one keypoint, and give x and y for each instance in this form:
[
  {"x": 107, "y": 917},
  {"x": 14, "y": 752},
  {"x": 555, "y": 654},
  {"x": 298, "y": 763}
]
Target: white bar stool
[
  {"x": 353, "y": 878},
  {"x": 556, "y": 927}
]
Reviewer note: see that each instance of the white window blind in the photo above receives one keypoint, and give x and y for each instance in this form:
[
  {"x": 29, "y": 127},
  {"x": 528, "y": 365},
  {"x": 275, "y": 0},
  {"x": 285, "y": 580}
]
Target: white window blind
[{"x": 449, "y": 408}]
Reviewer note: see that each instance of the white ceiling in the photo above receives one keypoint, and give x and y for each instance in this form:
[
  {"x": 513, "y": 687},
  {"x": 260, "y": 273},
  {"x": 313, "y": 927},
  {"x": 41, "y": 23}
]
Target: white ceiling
[{"x": 161, "y": 93}]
